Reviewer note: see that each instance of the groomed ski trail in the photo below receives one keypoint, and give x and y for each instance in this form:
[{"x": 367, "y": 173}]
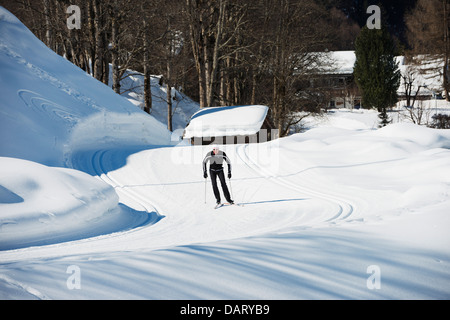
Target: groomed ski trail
[{"x": 303, "y": 182}]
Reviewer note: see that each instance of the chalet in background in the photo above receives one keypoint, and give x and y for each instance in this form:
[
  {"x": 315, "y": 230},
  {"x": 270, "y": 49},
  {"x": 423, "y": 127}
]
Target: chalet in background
[{"x": 419, "y": 74}]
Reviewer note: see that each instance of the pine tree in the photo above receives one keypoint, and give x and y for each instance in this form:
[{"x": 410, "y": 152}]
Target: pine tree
[{"x": 376, "y": 71}]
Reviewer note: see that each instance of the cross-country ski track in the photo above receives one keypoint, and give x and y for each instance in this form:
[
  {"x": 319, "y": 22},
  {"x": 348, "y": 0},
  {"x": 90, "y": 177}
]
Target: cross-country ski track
[
  {"x": 297, "y": 223},
  {"x": 154, "y": 190},
  {"x": 98, "y": 200}
]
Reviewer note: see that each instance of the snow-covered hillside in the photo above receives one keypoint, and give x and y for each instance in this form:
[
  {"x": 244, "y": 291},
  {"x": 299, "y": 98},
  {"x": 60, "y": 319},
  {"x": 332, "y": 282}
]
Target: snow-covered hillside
[
  {"x": 50, "y": 107},
  {"x": 183, "y": 107},
  {"x": 95, "y": 202},
  {"x": 50, "y": 111}
]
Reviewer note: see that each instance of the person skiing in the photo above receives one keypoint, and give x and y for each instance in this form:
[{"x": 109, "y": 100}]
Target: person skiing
[{"x": 215, "y": 159}]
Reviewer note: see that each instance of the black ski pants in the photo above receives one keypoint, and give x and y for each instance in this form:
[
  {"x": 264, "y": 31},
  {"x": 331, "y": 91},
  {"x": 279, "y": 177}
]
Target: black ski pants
[{"x": 219, "y": 173}]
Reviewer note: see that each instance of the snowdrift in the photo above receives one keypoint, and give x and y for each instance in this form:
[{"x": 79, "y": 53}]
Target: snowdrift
[
  {"x": 41, "y": 205},
  {"x": 51, "y": 108},
  {"x": 50, "y": 111}
]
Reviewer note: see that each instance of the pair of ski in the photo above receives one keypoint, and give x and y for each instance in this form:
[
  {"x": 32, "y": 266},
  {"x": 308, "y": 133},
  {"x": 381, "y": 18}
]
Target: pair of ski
[{"x": 219, "y": 205}]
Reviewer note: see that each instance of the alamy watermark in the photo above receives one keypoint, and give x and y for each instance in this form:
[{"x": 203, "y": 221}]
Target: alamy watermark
[
  {"x": 74, "y": 280},
  {"x": 74, "y": 21},
  {"x": 374, "y": 280},
  {"x": 374, "y": 21},
  {"x": 260, "y": 151}
]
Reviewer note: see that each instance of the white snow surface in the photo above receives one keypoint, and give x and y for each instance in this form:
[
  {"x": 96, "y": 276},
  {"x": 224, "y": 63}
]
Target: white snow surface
[
  {"x": 338, "y": 62},
  {"x": 61, "y": 107},
  {"x": 132, "y": 88},
  {"x": 96, "y": 204}
]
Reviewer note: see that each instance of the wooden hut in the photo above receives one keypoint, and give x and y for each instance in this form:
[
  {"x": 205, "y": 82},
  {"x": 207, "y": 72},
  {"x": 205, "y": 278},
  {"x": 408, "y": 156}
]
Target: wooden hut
[{"x": 229, "y": 125}]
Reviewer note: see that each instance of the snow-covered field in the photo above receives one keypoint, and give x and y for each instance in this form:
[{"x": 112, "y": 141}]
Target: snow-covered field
[{"x": 97, "y": 202}]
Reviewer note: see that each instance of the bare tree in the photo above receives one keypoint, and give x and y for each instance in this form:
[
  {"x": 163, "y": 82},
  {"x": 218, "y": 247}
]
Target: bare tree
[
  {"x": 99, "y": 34},
  {"x": 411, "y": 85},
  {"x": 289, "y": 55},
  {"x": 146, "y": 58},
  {"x": 125, "y": 40},
  {"x": 235, "y": 52},
  {"x": 428, "y": 33},
  {"x": 212, "y": 28}
]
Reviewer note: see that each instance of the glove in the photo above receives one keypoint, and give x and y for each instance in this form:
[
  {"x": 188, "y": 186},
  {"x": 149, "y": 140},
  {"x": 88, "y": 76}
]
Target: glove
[
  {"x": 205, "y": 175},
  {"x": 229, "y": 175}
]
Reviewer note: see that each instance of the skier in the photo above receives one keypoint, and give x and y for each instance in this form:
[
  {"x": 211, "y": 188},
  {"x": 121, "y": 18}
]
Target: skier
[{"x": 215, "y": 158}]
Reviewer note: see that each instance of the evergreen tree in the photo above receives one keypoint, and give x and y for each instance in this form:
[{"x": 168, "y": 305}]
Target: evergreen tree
[{"x": 376, "y": 71}]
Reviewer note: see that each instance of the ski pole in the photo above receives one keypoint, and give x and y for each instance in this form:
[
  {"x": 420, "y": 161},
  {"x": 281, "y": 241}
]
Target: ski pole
[
  {"x": 205, "y": 190},
  {"x": 231, "y": 189}
]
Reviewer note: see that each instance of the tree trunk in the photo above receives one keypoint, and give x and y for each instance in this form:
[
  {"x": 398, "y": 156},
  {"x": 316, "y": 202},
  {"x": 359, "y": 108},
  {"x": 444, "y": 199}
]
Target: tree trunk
[
  {"x": 197, "y": 44},
  {"x": 91, "y": 50},
  {"x": 114, "y": 53},
  {"x": 98, "y": 59},
  {"x": 48, "y": 27},
  {"x": 169, "y": 107},
  {"x": 206, "y": 40},
  {"x": 212, "y": 66},
  {"x": 169, "y": 97},
  {"x": 147, "y": 79},
  {"x": 446, "y": 71}
]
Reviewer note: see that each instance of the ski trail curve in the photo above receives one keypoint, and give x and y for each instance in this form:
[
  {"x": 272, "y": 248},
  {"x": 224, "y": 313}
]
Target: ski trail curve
[
  {"x": 100, "y": 163},
  {"x": 338, "y": 207}
]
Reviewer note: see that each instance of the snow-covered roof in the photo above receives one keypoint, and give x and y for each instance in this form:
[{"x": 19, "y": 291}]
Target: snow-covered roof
[
  {"x": 338, "y": 62},
  {"x": 226, "y": 121},
  {"x": 426, "y": 72}
]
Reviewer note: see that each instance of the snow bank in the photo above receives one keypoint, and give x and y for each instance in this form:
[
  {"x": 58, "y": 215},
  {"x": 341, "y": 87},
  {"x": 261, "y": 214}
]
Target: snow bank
[
  {"x": 50, "y": 111},
  {"x": 43, "y": 205},
  {"x": 48, "y": 105},
  {"x": 343, "y": 118},
  {"x": 426, "y": 137}
]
